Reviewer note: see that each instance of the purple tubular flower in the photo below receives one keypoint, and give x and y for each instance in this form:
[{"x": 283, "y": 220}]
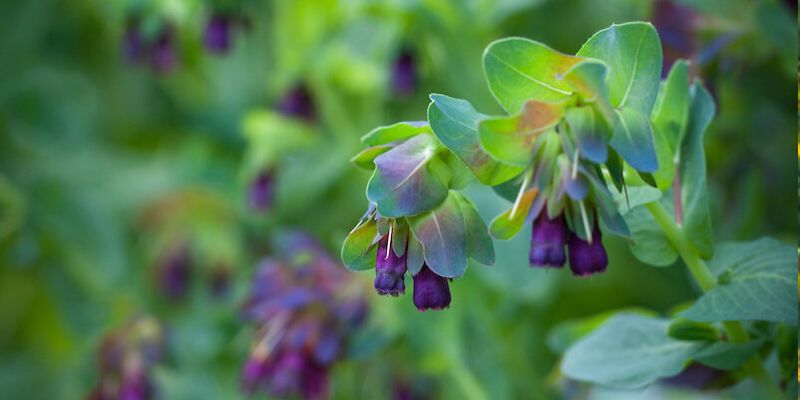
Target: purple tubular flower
[
  {"x": 133, "y": 43},
  {"x": 389, "y": 270},
  {"x": 254, "y": 373},
  {"x": 288, "y": 374},
  {"x": 217, "y": 36},
  {"x": 262, "y": 191},
  {"x": 315, "y": 382},
  {"x": 587, "y": 258},
  {"x": 404, "y": 79},
  {"x": 163, "y": 57},
  {"x": 174, "y": 272},
  {"x": 548, "y": 238},
  {"x": 431, "y": 291},
  {"x": 298, "y": 103},
  {"x": 135, "y": 386}
]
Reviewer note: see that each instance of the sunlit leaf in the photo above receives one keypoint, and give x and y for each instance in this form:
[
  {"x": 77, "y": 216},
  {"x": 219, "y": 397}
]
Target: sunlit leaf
[
  {"x": 512, "y": 139},
  {"x": 669, "y": 120},
  {"x": 365, "y": 158},
  {"x": 395, "y": 132},
  {"x": 509, "y": 223},
  {"x": 358, "y": 250}
]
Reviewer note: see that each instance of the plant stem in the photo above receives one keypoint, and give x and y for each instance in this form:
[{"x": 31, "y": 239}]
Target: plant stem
[{"x": 707, "y": 281}]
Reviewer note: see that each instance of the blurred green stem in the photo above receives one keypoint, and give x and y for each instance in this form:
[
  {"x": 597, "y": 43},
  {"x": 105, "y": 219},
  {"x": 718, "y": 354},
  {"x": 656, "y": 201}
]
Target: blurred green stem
[
  {"x": 469, "y": 385},
  {"x": 707, "y": 281}
]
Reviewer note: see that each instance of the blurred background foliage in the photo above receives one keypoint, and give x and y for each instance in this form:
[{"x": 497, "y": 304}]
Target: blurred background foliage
[{"x": 105, "y": 164}]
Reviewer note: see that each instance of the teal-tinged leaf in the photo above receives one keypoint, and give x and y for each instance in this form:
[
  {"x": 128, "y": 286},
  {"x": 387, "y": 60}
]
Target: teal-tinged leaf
[
  {"x": 416, "y": 255},
  {"x": 760, "y": 283},
  {"x": 669, "y": 120},
  {"x": 590, "y": 132},
  {"x": 684, "y": 329},
  {"x": 692, "y": 171},
  {"x": 512, "y": 139},
  {"x": 518, "y": 70},
  {"x": 392, "y": 133},
  {"x": 443, "y": 235},
  {"x": 400, "y": 237},
  {"x": 405, "y": 181},
  {"x": 366, "y": 158},
  {"x": 637, "y": 196},
  {"x": 606, "y": 206},
  {"x": 632, "y": 138},
  {"x": 506, "y": 225},
  {"x": 455, "y": 123},
  {"x": 479, "y": 244},
  {"x": 727, "y": 356},
  {"x": 358, "y": 250},
  {"x": 628, "y": 351},
  {"x": 649, "y": 244},
  {"x": 632, "y": 52},
  {"x": 566, "y": 333},
  {"x": 615, "y": 169},
  {"x": 588, "y": 79}
]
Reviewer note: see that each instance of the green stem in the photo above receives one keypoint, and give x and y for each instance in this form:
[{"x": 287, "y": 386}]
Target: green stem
[{"x": 707, "y": 281}]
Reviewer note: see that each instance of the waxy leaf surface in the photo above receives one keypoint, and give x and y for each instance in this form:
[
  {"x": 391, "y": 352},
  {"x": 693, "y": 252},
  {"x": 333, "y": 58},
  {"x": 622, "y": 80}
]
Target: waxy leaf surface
[
  {"x": 443, "y": 235},
  {"x": 512, "y": 139}
]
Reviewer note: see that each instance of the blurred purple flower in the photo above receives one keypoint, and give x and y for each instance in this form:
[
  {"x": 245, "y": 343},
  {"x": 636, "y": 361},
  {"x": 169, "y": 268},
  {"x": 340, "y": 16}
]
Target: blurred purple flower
[
  {"x": 217, "y": 35},
  {"x": 587, "y": 258},
  {"x": 133, "y": 43},
  {"x": 262, "y": 190},
  {"x": 548, "y": 238},
  {"x": 163, "y": 56},
  {"x": 431, "y": 291},
  {"x": 298, "y": 103},
  {"x": 676, "y": 24},
  {"x": 173, "y": 272},
  {"x": 390, "y": 270},
  {"x": 404, "y": 76}
]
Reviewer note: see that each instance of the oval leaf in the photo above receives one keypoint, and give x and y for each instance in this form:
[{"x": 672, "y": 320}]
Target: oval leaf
[
  {"x": 443, "y": 236},
  {"x": 512, "y": 139}
]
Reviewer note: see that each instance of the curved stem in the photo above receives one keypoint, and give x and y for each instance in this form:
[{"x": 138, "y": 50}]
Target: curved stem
[{"x": 707, "y": 281}]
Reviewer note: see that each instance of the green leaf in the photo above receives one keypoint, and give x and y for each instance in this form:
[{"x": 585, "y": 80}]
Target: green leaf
[
  {"x": 358, "y": 250},
  {"x": 670, "y": 118},
  {"x": 366, "y": 158},
  {"x": 588, "y": 79},
  {"x": 518, "y": 70},
  {"x": 628, "y": 351},
  {"x": 512, "y": 139},
  {"x": 479, "y": 244},
  {"x": 270, "y": 135},
  {"x": 395, "y": 132},
  {"x": 632, "y": 138},
  {"x": 416, "y": 255},
  {"x": 505, "y": 226},
  {"x": 692, "y": 172},
  {"x": 590, "y": 133},
  {"x": 567, "y": 333},
  {"x": 406, "y": 180},
  {"x": 455, "y": 123},
  {"x": 632, "y": 52},
  {"x": 760, "y": 284},
  {"x": 443, "y": 235},
  {"x": 649, "y": 244},
  {"x": 684, "y": 329},
  {"x": 727, "y": 356},
  {"x": 637, "y": 195},
  {"x": 400, "y": 238}
]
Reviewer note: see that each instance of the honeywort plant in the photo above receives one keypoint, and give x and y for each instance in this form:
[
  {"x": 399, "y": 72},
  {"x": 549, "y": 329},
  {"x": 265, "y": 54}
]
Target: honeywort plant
[{"x": 593, "y": 143}]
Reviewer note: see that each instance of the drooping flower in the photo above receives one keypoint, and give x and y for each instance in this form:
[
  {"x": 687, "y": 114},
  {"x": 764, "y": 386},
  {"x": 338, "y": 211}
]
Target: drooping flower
[
  {"x": 133, "y": 45},
  {"x": 389, "y": 270},
  {"x": 404, "y": 74},
  {"x": 163, "y": 55},
  {"x": 431, "y": 291},
  {"x": 173, "y": 272},
  {"x": 587, "y": 258},
  {"x": 217, "y": 35},
  {"x": 548, "y": 238},
  {"x": 262, "y": 191},
  {"x": 298, "y": 103}
]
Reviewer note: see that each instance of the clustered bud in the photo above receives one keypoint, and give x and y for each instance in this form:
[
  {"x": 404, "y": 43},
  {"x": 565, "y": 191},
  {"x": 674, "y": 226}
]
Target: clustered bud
[
  {"x": 304, "y": 317},
  {"x": 404, "y": 74},
  {"x": 298, "y": 103},
  {"x": 125, "y": 361},
  {"x": 159, "y": 51},
  {"x": 551, "y": 240},
  {"x": 173, "y": 272},
  {"x": 261, "y": 193}
]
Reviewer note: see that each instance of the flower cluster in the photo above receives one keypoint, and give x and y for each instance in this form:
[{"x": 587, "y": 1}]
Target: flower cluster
[
  {"x": 125, "y": 360},
  {"x": 219, "y": 30},
  {"x": 158, "y": 50},
  {"x": 304, "y": 306}
]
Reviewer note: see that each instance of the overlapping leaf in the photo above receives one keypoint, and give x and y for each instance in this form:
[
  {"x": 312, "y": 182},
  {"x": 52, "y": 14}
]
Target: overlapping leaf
[
  {"x": 443, "y": 235},
  {"x": 512, "y": 139}
]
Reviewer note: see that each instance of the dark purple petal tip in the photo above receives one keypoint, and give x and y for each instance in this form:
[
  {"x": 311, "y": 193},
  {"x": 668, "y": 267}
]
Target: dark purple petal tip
[
  {"x": 217, "y": 36},
  {"x": 390, "y": 270},
  {"x": 587, "y": 258},
  {"x": 431, "y": 291},
  {"x": 548, "y": 238}
]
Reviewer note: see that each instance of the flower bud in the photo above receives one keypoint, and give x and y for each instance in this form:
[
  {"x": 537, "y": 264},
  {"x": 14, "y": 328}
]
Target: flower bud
[
  {"x": 587, "y": 258},
  {"x": 548, "y": 238},
  {"x": 298, "y": 103},
  {"x": 431, "y": 291},
  {"x": 163, "y": 57},
  {"x": 217, "y": 35},
  {"x": 262, "y": 191},
  {"x": 404, "y": 77},
  {"x": 389, "y": 270}
]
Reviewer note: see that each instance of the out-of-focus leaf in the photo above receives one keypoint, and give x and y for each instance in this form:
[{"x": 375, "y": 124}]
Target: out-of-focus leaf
[
  {"x": 670, "y": 118},
  {"x": 405, "y": 181},
  {"x": 590, "y": 132},
  {"x": 628, "y": 351},
  {"x": 758, "y": 281},
  {"x": 637, "y": 195},
  {"x": 519, "y": 70},
  {"x": 455, "y": 123},
  {"x": 395, "y": 132},
  {"x": 566, "y": 333},
  {"x": 727, "y": 356},
  {"x": 479, "y": 244},
  {"x": 358, "y": 252},
  {"x": 512, "y": 139},
  {"x": 365, "y": 158},
  {"x": 443, "y": 235},
  {"x": 632, "y": 52}
]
